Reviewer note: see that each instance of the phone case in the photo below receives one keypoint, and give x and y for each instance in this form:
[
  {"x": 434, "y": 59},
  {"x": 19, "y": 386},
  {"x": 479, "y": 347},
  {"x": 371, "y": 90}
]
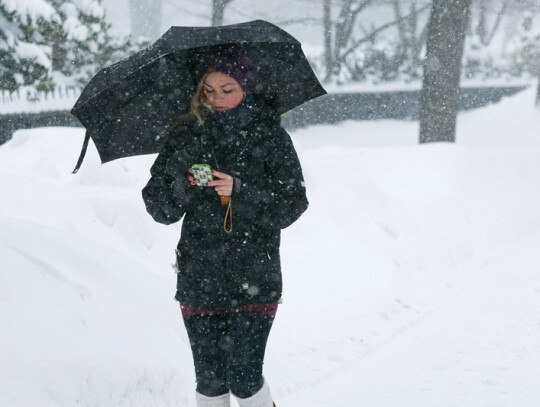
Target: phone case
[{"x": 202, "y": 174}]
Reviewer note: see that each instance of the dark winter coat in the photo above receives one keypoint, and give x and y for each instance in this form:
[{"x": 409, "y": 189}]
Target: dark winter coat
[{"x": 220, "y": 270}]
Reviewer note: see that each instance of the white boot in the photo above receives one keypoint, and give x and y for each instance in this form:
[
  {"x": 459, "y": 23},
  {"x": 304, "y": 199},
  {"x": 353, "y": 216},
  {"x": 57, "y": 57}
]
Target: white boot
[
  {"x": 262, "y": 398},
  {"x": 220, "y": 401}
]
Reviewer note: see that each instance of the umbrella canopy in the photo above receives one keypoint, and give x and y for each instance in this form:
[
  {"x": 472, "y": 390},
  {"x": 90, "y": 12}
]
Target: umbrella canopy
[{"x": 128, "y": 107}]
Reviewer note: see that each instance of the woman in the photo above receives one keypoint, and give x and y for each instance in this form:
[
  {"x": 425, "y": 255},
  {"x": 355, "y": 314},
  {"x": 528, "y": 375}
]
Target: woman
[{"x": 229, "y": 278}]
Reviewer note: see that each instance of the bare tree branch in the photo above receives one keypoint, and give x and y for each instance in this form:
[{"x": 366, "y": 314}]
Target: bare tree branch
[
  {"x": 480, "y": 29},
  {"x": 400, "y": 25},
  {"x": 413, "y": 26},
  {"x": 422, "y": 38},
  {"x": 353, "y": 13},
  {"x": 339, "y": 40},
  {"x": 363, "y": 29},
  {"x": 374, "y": 33},
  {"x": 500, "y": 16},
  {"x": 299, "y": 21},
  {"x": 185, "y": 10},
  {"x": 344, "y": 27}
]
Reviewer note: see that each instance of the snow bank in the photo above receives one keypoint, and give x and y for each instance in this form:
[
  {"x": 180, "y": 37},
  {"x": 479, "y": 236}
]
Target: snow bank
[{"x": 395, "y": 232}]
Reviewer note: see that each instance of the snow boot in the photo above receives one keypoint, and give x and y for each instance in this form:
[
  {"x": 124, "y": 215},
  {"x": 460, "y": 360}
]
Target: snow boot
[
  {"x": 262, "y": 398},
  {"x": 220, "y": 401}
]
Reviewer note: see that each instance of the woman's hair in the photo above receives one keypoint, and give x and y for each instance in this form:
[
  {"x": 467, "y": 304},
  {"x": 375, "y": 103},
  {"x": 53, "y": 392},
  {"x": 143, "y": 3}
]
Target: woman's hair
[{"x": 200, "y": 108}]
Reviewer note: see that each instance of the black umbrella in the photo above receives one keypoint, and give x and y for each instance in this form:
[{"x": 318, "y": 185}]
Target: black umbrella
[{"x": 128, "y": 107}]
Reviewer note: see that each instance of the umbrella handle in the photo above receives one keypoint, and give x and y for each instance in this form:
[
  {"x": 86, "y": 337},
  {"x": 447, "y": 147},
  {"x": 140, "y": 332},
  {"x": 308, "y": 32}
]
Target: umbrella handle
[{"x": 83, "y": 152}]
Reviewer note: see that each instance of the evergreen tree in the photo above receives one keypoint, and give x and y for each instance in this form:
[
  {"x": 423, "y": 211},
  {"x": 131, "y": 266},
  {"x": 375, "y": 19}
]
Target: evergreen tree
[
  {"x": 82, "y": 42},
  {"x": 66, "y": 37},
  {"x": 26, "y": 58}
]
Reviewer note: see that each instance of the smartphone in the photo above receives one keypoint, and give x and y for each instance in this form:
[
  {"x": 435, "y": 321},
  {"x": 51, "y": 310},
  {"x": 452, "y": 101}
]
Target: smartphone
[{"x": 202, "y": 174}]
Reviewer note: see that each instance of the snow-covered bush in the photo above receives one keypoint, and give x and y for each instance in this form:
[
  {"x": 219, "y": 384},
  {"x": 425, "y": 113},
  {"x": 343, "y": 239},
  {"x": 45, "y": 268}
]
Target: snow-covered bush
[
  {"x": 480, "y": 60},
  {"x": 524, "y": 49},
  {"x": 376, "y": 61},
  {"x": 380, "y": 60}
]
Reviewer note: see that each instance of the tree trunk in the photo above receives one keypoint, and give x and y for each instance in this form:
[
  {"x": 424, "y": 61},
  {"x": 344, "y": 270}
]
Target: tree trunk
[
  {"x": 538, "y": 93},
  {"x": 439, "y": 100},
  {"x": 327, "y": 27},
  {"x": 145, "y": 18},
  {"x": 59, "y": 55},
  {"x": 218, "y": 11}
]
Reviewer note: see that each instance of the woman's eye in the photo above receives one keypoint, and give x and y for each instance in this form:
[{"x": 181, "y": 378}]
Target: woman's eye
[
  {"x": 208, "y": 90},
  {"x": 227, "y": 91}
]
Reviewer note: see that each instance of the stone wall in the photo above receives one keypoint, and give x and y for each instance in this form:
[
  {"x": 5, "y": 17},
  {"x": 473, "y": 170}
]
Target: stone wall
[
  {"x": 332, "y": 108},
  {"x": 404, "y": 105},
  {"x": 12, "y": 122}
]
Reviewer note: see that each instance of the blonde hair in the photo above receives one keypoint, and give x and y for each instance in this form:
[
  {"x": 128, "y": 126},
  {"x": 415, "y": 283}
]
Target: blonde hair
[{"x": 200, "y": 108}]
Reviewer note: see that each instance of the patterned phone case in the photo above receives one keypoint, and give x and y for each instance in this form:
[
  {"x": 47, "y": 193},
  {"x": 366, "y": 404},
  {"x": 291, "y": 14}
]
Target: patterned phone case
[{"x": 202, "y": 174}]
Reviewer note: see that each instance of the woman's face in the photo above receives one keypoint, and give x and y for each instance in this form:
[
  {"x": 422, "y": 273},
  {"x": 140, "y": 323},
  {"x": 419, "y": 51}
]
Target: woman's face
[{"x": 222, "y": 91}]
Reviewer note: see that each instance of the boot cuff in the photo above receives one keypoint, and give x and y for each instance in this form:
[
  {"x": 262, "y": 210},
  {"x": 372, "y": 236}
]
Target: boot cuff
[
  {"x": 262, "y": 398},
  {"x": 220, "y": 401}
]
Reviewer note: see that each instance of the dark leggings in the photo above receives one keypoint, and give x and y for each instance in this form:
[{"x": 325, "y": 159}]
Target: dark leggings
[{"x": 228, "y": 351}]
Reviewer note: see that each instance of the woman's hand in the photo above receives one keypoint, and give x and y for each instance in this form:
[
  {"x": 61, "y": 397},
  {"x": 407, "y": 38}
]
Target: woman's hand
[{"x": 223, "y": 186}]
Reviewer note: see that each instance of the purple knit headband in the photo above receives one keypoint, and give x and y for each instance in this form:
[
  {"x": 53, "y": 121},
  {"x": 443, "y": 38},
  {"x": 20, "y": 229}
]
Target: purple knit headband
[{"x": 239, "y": 67}]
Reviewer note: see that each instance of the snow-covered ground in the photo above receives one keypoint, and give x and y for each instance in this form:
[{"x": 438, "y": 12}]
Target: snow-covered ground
[{"x": 412, "y": 280}]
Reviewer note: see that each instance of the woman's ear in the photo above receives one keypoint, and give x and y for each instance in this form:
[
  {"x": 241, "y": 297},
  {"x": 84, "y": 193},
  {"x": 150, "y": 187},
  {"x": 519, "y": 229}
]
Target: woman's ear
[{"x": 244, "y": 98}]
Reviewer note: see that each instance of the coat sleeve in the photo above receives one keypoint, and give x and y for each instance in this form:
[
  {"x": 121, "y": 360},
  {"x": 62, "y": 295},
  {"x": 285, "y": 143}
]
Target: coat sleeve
[
  {"x": 167, "y": 194},
  {"x": 280, "y": 198}
]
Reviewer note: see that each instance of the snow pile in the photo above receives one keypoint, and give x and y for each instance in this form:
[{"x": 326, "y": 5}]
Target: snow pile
[{"x": 401, "y": 244}]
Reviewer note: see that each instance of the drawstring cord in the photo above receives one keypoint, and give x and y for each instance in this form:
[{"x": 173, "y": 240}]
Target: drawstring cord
[{"x": 226, "y": 200}]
